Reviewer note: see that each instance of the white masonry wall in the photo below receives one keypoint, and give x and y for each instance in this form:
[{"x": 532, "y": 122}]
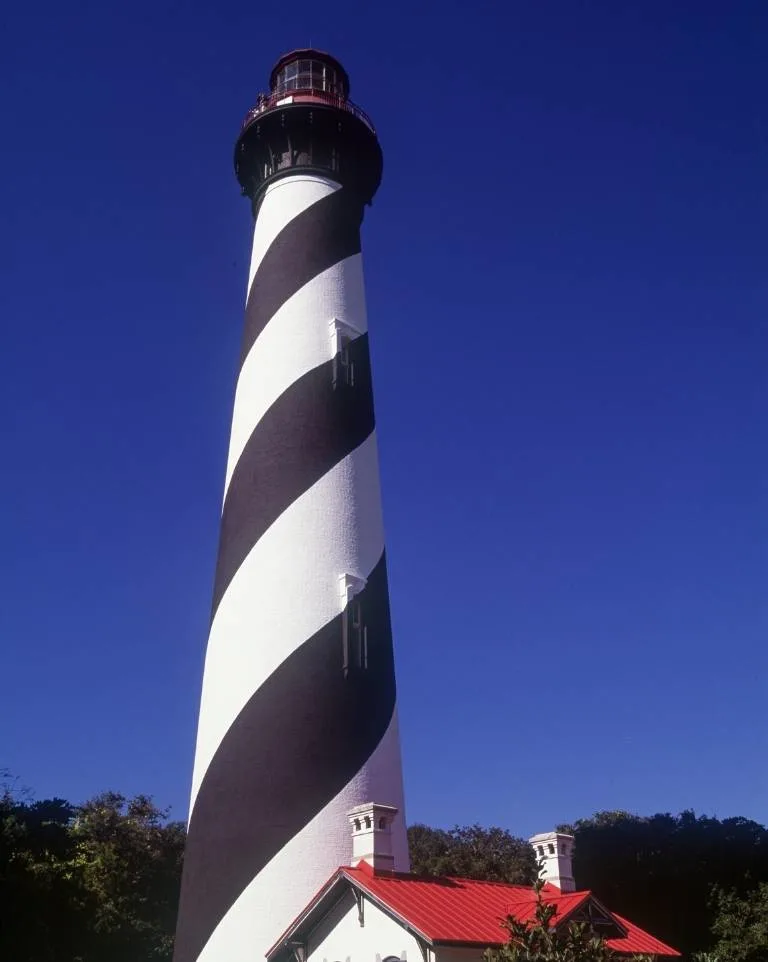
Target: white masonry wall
[{"x": 341, "y": 938}]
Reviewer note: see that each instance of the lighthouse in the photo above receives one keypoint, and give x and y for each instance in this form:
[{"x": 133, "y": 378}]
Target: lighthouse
[{"x": 298, "y": 721}]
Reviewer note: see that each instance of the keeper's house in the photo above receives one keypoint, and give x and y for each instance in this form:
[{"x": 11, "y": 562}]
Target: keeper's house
[{"x": 368, "y": 913}]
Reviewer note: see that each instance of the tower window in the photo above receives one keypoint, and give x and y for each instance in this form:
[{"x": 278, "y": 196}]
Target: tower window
[
  {"x": 354, "y": 633},
  {"x": 343, "y": 337},
  {"x": 354, "y": 641},
  {"x": 345, "y": 367},
  {"x": 551, "y": 848}
]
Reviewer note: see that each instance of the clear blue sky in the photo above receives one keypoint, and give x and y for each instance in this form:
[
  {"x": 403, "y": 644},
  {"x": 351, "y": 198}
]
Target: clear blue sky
[{"x": 566, "y": 269}]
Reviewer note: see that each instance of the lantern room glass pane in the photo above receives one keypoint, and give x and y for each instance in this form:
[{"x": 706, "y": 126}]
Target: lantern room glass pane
[
  {"x": 308, "y": 75},
  {"x": 317, "y": 75},
  {"x": 287, "y": 77},
  {"x": 303, "y": 75},
  {"x": 331, "y": 83}
]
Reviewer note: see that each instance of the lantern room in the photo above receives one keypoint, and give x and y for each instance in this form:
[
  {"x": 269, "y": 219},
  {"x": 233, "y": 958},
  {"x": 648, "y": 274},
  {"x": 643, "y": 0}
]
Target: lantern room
[
  {"x": 307, "y": 124},
  {"x": 309, "y": 70}
]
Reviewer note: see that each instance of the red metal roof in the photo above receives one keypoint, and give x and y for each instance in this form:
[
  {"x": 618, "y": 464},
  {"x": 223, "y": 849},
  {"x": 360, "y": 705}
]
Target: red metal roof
[
  {"x": 457, "y": 909},
  {"x": 638, "y": 941},
  {"x": 468, "y": 911}
]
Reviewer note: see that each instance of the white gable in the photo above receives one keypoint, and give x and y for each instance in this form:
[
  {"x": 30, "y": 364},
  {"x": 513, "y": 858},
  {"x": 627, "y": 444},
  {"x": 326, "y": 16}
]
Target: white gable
[{"x": 339, "y": 937}]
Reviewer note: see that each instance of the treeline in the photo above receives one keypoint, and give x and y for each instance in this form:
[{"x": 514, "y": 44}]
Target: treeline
[
  {"x": 100, "y": 881},
  {"x": 698, "y": 883}
]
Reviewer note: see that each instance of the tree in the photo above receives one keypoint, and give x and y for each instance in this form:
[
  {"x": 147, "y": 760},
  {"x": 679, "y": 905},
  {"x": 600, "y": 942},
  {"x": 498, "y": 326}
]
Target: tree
[
  {"x": 128, "y": 859},
  {"x": 492, "y": 854},
  {"x": 544, "y": 941},
  {"x": 86, "y": 884},
  {"x": 41, "y": 918},
  {"x": 659, "y": 870},
  {"x": 741, "y": 925}
]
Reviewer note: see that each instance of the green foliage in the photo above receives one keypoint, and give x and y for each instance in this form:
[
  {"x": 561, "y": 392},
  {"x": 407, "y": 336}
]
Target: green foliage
[
  {"x": 471, "y": 852},
  {"x": 741, "y": 925},
  {"x": 129, "y": 860},
  {"x": 87, "y": 884},
  {"x": 544, "y": 941},
  {"x": 659, "y": 870}
]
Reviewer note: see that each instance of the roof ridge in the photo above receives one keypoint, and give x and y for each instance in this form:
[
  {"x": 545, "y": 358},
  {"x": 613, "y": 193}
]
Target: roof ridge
[
  {"x": 482, "y": 881},
  {"x": 370, "y": 872}
]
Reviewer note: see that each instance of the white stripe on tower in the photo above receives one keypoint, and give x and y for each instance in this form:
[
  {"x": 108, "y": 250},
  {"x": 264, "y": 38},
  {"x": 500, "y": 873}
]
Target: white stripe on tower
[{"x": 297, "y": 719}]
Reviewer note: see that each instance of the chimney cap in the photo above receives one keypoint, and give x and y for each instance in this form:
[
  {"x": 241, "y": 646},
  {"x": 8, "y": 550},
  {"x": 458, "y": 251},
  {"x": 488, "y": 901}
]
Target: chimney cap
[{"x": 370, "y": 807}]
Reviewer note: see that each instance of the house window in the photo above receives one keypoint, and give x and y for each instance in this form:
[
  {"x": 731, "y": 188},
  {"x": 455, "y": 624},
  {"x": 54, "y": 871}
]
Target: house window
[{"x": 551, "y": 848}]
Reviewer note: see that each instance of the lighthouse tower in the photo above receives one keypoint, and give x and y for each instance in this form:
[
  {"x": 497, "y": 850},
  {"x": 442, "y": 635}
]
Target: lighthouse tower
[{"x": 297, "y": 717}]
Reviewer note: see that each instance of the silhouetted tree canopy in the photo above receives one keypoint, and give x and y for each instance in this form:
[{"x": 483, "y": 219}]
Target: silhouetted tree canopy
[
  {"x": 660, "y": 870},
  {"x": 90, "y": 883}
]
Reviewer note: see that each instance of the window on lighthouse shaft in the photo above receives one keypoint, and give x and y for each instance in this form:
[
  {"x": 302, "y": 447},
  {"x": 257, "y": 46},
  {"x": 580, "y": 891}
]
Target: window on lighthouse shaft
[
  {"x": 343, "y": 365},
  {"x": 354, "y": 639}
]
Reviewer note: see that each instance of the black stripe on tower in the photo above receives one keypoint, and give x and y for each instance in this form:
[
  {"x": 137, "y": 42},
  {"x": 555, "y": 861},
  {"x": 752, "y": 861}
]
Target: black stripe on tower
[
  {"x": 300, "y": 739},
  {"x": 327, "y": 232},
  {"x": 309, "y": 429}
]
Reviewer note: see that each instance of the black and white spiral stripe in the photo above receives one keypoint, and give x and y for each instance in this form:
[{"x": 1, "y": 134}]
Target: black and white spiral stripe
[{"x": 289, "y": 738}]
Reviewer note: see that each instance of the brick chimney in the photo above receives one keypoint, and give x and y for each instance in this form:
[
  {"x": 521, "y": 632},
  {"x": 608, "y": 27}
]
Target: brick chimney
[
  {"x": 554, "y": 853},
  {"x": 372, "y": 835}
]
